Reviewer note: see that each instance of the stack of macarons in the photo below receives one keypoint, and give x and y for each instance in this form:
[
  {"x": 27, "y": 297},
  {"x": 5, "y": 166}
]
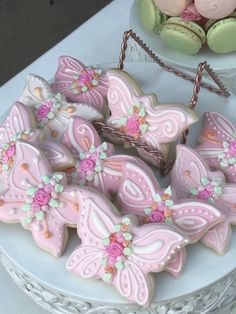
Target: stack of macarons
[{"x": 187, "y": 25}]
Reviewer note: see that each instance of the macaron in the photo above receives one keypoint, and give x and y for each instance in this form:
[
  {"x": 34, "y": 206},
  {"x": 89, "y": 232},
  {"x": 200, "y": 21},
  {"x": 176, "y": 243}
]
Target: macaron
[
  {"x": 152, "y": 19},
  {"x": 186, "y": 37},
  {"x": 172, "y": 7},
  {"x": 215, "y": 9},
  {"x": 221, "y": 35}
]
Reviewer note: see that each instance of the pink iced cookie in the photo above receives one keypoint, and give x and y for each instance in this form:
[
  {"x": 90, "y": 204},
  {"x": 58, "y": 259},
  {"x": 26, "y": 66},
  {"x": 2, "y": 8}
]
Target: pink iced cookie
[
  {"x": 119, "y": 252},
  {"x": 51, "y": 110},
  {"x": 80, "y": 83},
  {"x": 215, "y": 9},
  {"x": 39, "y": 199},
  {"x": 218, "y": 144},
  {"x": 141, "y": 117},
  {"x": 191, "y": 177},
  {"x": 172, "y": 7},
  {"x": 20, "y": 125},
  {"x": 95, "y": 165},
  {"x": 140, "y": 194}
]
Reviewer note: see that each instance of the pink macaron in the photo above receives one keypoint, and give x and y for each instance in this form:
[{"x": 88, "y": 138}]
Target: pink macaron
[
  {"x": 215, "y": 9},
  {"x": 172, "y": 7}
]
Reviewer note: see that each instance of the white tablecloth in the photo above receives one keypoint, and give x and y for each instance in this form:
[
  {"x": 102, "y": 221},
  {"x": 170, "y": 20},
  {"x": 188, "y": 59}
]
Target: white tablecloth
[{"x": 96, "y": 41}]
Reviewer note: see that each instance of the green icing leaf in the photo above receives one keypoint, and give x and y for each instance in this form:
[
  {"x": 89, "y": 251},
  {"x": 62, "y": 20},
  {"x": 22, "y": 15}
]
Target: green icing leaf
[
  {"x": 27, "y": 221},
  {"x": 59, "y": 188},
  {"x": 40, "y": 215},
  {"x": 194, "y": 191},
  {"x": 54, "y": 203},
  {"x": 144, "y": 127},
  {"x": 204, "y": 181},
  {"x": 31, "y": 191},
  {"x": 26, "y": 207},
  {"x": 46, "y": 179},
  {"x": 103, "y": 155}
]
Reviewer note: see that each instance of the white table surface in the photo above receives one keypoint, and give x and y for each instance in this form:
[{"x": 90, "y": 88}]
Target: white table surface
[{"x": 96, "y": 41}]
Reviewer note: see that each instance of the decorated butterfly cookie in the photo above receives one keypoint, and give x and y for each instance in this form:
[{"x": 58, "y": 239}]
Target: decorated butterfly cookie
[
  {"x": 80, "y": 83},
  {"x": 141, "y": 117},
  {"x": 39, "y": 199},
  {"x": 218, "y": 144},
  {"x": 191, "y": 177},
  {"x": 121, "y": 253},
  {"x": 52, "y": 111},
  {"x": 94, "y": 164},
  {"x": 20, "y": 125}
]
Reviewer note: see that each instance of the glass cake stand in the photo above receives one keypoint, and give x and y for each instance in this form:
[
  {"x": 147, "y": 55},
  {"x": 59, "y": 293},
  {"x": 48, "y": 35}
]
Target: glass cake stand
[
  {"x": 208, "y": 281},
  {"x": 224, "y": 65}
]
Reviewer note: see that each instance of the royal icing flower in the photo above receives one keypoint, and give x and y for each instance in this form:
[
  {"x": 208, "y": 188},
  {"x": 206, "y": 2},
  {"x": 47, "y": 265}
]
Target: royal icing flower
[
  {"x": 160, "y": 209},
  {"x": 47, "y": 109},
  {"x": 51, "y": 110},
  {"x": 135, "y": 123},
  {"x": 227, "y": 157},
  {"x": 89, "y": 164},
  {"x": 41, "y": 198},
  {"x": 8, "y": 150},
  {"x": 86, "y": 80},
  {"x": 117, "y": 249},
  {"x": 208, "y": 190}
]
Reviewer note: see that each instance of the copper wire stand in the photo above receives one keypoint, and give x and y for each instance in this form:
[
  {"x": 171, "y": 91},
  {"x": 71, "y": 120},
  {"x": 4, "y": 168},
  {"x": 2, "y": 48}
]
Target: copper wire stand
[{"x": 164, "y": 165}]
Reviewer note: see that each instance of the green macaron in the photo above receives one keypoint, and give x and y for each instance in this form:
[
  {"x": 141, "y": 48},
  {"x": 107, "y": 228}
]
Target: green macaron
[
  {"x": 221, "y": 36},
  {"x": 184, "y": 36},
  {"x": 151, "y": 17}
]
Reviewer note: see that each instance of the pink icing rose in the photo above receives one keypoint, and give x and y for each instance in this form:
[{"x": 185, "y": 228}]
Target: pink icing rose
[
  {"x": 48, "y": 188},
  {"x": 232, "y": 147},
  {"x": 11, "y": 151},
  {"x": 87, "y": 164},
  {"x": 161, "y": 206},
  {"x": 43, "y": 111},
  {"x": 132, "y": 126},
  {"x": 156, "y": 216},
  {"x": 191, "y": 14},
  {"x": 84, "y": 78},
  {"x": 35, "y": 207},
  {"x": 204, "y": 194},
  {"x": 41, "y": 197},
  {"x": 114, "y": 249}
]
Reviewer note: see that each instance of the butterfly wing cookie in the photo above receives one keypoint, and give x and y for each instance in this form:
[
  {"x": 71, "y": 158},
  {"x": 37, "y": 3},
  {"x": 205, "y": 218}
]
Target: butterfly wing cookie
[
  {"x": 80, "y": 83},
  {"x": 51, "y": 111},
  {"x": 192, "y": 177},
  {"x": 119, "y": 252},
  {"x": 39, "y": 199},
  {"x": 141, "y": 117},
  {"x": 218, "y": 144}
]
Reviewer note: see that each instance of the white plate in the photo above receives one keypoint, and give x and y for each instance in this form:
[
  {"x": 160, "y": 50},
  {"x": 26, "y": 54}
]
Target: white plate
[
  {"x": 220, "y": 63},
  {"x": 17, "y": 244}
]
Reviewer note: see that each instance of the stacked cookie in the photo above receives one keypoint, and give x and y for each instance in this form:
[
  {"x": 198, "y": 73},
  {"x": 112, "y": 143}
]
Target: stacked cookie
[
  {"x": 187, "y": 25},
  {"x": 56, "y": 172}
]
